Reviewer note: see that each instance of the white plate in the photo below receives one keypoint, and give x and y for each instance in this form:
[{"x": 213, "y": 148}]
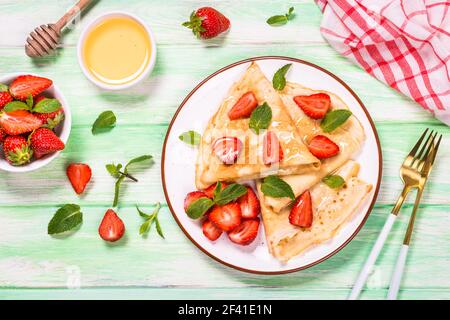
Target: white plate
[{"x": 178, "y": 164}]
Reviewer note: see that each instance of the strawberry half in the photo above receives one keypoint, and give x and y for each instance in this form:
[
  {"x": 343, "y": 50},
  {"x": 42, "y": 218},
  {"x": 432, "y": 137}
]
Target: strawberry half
[
  {"x": 249, "y": 203},
  {"x": 44, "y": 141},
  {"x": 322, "y": 147},
  {"x": 227, "y": 149},
  {"x": 18, "y": 122},
  {"x": 5, "y": 98},
  {"x": 79, "y": 175},
  {"x": 226, "y": 217},
  {"x": 244, "y": 107},
  {"x": 314, "y": 106},
  {"x": 17, "y": 151},
  {"x": 210, "y": 190},
  {"x": 272, "y": 150},
  {"x": 245, "y": 233},
  {"x": 26, "y": 85},
  {"x": 207, "y": 23},
  {"x": 210, "y": 230},
  {"x": 301, "y": 212},
  {"x": 191, "y": 197},
  {"x": 111, "y": 228}
]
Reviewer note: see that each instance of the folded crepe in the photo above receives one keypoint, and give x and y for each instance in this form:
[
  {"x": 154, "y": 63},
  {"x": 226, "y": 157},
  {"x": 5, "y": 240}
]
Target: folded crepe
[
  {"x": 249, "y": 164},
  {"x": 349, "y": 136},
  {"x": 331, "y": 209}
]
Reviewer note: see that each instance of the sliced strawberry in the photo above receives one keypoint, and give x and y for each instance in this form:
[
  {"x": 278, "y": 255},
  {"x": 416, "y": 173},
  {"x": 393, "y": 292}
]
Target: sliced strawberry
[
  {"x": 17, "y": 151},
  {"x": 210, "y": 230},
  {"x": 191, "y": 197},
  {"x": 111, "y": 228},
  {"x": 44, "y": 141},
  {"x": 226, "y": 217},
  {"x": 322, "y": 147},
  {"x": 227, "y": 149},
  {"x": 301, "y": 212},
  {"x": 79, "y": 175},
  {"x": 210, "y": 190},
  {"x": 249, "y": 203},
  {"x": 245, "y": 233},
  {"x": 272, "y": 150},
  {"x": 244, "y": 107},
  {"x": 5, "y": 98},
  {"x": 314, "y": 106},
  {"x": 27, "y": 85},
  {"x": 18, "y": 122}
]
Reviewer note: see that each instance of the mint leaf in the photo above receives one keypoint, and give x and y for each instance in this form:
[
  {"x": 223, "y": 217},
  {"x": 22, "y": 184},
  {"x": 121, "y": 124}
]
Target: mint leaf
[
  {"x": 217, "y": 189},
  {"x": 66, "y": 218},
  {"x": 279, "y": 79},
  {"x": 199, "y": 207},
  {"x": 191, "y": 137},
  {"x": 230, "y": 193},
  {"x": 260, "y": 117},
  {"x": 47, "y": 106},
  {"x": 30, "y": 102},
  {"x": 334, "y": 119},
  {"x": 279, "y": 20},
  {"x": 114, "y": 170},
  {"x": 104, "y": 122},
  {"x": 275, "y": 187},
  {"x": 3, "y": 87},
  {"x": 334, "y": 181},
  {"x": 15, "y": 105},
  {"x": 137, "y": 160}
]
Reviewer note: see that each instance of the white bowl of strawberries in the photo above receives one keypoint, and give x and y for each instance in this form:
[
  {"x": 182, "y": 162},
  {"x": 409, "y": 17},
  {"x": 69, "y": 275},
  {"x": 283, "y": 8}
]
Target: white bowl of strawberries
[{"x": 35, "y": 122}]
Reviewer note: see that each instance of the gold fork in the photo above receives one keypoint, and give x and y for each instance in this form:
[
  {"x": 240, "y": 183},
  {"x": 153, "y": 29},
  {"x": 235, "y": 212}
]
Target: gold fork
[
  {"x": 401, "y": 260},
  {"x": 410, "y": 173}
]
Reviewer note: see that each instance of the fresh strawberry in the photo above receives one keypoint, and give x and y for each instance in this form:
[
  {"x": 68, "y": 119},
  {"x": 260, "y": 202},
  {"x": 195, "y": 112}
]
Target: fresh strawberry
[
  {"x": 322, "y": 147},
  {"x": 5, "y": 98},
  {"x": 210, "y": 190},
  {"x": 226, "y": 217},
  {"x": 301, "y": 212},
  {"x": 249, "y": 203},
  {"x": 111, "y": 228},
  {"x": 207, "y": 23},
  {"x": 45, "y": 141},
  {"x": 18, "y": 122},
  {"x": 314, "y": 106},
  {"x": 272, "y": 150},
  {"x": 52, "y": 119},
  {"x": 16, "y": 149},
  {"x": 245, "y": 233},
  {"x": 27, "y": 85},
  {"x": 191, "y": 197},
  {"x": 244, "y": 107},
  {"x": 3, "y": 135},
  {"x": 210, "y": 230},
  {"x": 79, "y": 175},
  {"x": 227, "y": 149}
]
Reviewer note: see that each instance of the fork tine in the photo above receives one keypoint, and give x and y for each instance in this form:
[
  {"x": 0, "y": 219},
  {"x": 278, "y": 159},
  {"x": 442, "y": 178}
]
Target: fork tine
[
  {"x": 427, "y": 145},
  {"x": 436, "y": 149},
  {"x": 413, "y": 151},
  {"x": 430, "y": 155}
]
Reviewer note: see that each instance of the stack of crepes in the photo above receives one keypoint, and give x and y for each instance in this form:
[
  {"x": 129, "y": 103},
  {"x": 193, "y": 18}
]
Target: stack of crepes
[{"x": 299, "y": 168}]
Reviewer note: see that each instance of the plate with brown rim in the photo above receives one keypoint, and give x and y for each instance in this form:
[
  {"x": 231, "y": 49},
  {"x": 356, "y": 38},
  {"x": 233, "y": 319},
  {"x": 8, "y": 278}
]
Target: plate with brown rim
[{"x": 178, "y": 165}]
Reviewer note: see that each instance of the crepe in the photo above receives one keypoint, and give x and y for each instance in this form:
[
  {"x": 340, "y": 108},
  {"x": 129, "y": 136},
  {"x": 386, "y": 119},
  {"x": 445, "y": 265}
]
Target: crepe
[
  {"x": 349, "y": 136},
  {"x": 249, "y": 164},
  {"x": 331, "y": 209}
]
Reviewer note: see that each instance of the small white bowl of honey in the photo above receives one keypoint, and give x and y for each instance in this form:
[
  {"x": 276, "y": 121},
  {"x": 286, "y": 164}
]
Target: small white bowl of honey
[{"x": 116, "y": 50}]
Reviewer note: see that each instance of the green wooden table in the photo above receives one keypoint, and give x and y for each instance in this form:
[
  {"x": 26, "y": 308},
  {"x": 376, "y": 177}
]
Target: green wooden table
[{"x": 35, "y": 265}]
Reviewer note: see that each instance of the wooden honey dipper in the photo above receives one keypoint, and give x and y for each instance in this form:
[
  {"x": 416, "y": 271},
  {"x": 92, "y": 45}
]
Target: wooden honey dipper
[{"x": 44, "y": 39}]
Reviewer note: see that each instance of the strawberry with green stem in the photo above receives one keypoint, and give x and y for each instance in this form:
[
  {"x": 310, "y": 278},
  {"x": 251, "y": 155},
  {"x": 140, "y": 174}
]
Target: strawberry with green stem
[
  {"x": 17, "y": 151},
  {"x": 44, "y": 141},
  {"x": 207, "y": 23}
]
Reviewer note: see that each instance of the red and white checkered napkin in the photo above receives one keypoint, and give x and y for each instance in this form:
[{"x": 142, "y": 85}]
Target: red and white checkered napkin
[{"x": 404, "y": 43}]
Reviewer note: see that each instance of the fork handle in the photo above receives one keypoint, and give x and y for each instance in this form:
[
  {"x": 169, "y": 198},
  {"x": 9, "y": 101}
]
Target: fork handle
[
  {"x": 398, "y": 273},
  {"x": 367, "y": 268}
]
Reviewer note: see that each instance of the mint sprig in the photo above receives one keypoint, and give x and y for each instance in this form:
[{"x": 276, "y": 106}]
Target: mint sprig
[
  {"x": 260, "y": 117},
  {"x": 275, "y": 187},
  {"x": 115, "y": 170},
  {"x": 149, "y": 220},
  {"x": 279, "y": 20},
  {"x": 221, "y": 197}
]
